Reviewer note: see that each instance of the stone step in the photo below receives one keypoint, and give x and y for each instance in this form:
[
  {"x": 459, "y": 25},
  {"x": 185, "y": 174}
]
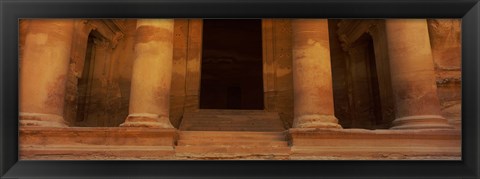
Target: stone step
[
  {"x": 266, "y": 125},
  {"x": 197, "y": 135},
  {"x": 231, "y": 120},
  {"x": 231, "y": 111},
  {"x": 234, "y": 112},
  {"x": 219, "y": 150},
  {"x": 231, "y": 129},
  {"x": 192, "y": 126},
  {"x": 233, "y": 126},
  {"x": 234, "y": 123},
  {"x": 230, "y": 114},
  {"x": 227, "y": 120},
  {"x": 232, "y": 145},
  {"x": 97, "y": 152},
  {"x": 239, "y": 117},
  {"x": 228, "y": 142}
]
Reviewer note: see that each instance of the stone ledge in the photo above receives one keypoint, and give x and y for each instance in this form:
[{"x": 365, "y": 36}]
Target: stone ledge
[
  {"x": 81, "y": 152},
  {"x": 117, "y": 143},
  {"x": 99, "y": 143},
  {"x": 360, "y": 144}
]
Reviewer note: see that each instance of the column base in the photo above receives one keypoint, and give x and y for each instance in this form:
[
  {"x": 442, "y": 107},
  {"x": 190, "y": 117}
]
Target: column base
[
  {"x": 41, "y": 120},
  {"x": 316, "y": 121},
  {"x": 147, "y": 120},
  {"x": 421, "y": 122}
]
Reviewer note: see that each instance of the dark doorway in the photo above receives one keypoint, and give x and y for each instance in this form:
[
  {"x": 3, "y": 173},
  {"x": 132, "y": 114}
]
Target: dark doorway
[
  {"x": 84, "y": 86},
  {"x": 231, "y": 76},
  {"x": 367, "y": 111}
]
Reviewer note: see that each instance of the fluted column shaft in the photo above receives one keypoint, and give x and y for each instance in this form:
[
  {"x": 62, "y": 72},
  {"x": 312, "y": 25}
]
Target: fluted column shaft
[
  {"x": 151, "y": 75},
  {"x": 412, "y": 74},
  {"x": 43, "y": 72},
  {"x": 312, "y": 75}
]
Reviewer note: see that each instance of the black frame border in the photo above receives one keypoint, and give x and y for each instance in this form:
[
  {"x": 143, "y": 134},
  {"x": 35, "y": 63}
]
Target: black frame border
[{"x": 11, "y": 11}]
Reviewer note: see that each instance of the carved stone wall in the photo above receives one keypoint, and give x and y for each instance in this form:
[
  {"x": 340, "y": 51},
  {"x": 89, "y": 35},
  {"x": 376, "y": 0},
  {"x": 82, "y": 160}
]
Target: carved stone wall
[
  {"x": 115, "y": 54},
  {"x": 187, "y": 53},
  {"x": 446, "y": 50},
  {"x": 109, "y": 89},
  {"x": 177, "y": 89},
  {"x": 445, "y": 40},
  {"x": 277, "y": 68},
  {"x": 23, "y": 27},
  {"x": 339, "y": 77}
]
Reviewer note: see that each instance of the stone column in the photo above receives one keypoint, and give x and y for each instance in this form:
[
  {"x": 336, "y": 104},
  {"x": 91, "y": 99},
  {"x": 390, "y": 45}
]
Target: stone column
[
  {"x": 412, "y": 72},
  {"x": 312, "y": 75},
  {"x": 43, "y": 72},
  {"x": 151, "y": 75}
]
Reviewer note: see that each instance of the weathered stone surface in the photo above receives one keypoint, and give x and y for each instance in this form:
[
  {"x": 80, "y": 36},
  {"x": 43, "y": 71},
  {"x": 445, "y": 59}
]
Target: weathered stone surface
[
  {"x": 151, "y": 75},
  {"x": 43, "y": 72},
  {"x": 316, "y": 144},
  {"x": 111, "y": 85},
  {"x": 277, "y": 68},
  {"x": 22, "y": 34},
  {"x": 231, "y": 120},
  {"x": 100, "y": 143},
  {"x": 109, "y": 88},
  {"x": 195, "y": 145},
  {"x": 412, "y": 73},
  {"x": 361, "y": 144},
  {"x": 312, "y": 76},
  {"x": 179, "y": 71},
  {"x": 194, "y": 57},
  {"x": 445, "y": 40},
  {"x": 340, "y": 75}
]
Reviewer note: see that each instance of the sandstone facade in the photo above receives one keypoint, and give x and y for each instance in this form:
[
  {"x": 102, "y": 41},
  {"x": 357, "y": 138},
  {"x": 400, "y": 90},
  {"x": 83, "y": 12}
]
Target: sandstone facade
[{"x": 330, "y": 89}]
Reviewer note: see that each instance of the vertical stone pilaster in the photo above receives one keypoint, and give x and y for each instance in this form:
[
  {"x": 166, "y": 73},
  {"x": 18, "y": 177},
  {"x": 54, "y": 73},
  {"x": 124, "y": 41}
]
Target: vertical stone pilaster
[
  {"x": 312, "y": 76},
  {"x": 43, "y": 72},
  {"x": 412, "y": 74},
  {"x": 194, "y": 64},
  {"x": 151, "y": 75}
]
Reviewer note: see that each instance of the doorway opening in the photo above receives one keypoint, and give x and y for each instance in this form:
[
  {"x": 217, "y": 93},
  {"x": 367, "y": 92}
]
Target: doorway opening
[
  {"x": 84, "y": 86},
  {"x": 231, "y": 72},
  {"x": 367, "y": 109}
]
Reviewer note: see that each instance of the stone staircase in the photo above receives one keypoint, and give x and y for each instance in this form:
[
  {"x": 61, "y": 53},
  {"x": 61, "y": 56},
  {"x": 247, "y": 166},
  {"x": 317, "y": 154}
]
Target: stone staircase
[
  {"x": 230, "y": 145},
  {"x": 231, "y": 134},
  {"x": 231, "y": 120}
]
